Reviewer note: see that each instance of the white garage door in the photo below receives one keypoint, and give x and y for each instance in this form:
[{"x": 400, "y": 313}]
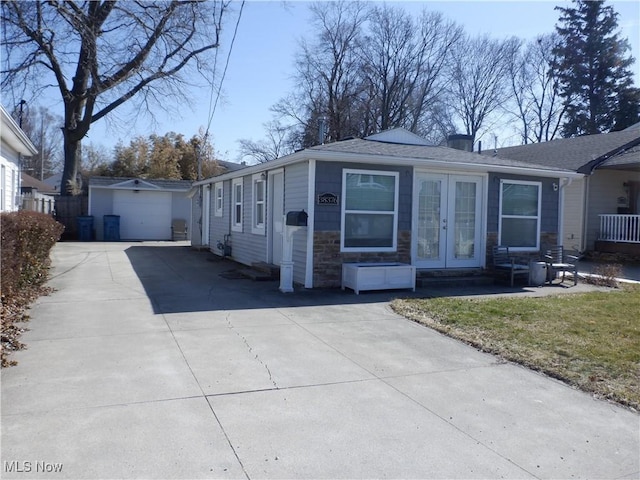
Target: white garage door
[{"x": 143, "y": 215}]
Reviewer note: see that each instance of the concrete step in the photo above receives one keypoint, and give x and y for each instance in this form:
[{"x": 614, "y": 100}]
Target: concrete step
[
  {"x": 267, "y": 268},
  {"x": 256, "y": 275}
]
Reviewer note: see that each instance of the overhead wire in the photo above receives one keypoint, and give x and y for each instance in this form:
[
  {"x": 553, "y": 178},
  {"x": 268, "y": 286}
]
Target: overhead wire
[{"x": 212, "y": 108}]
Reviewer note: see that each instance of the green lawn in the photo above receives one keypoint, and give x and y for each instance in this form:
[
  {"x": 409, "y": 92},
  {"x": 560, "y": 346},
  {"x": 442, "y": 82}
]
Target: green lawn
[{"x": 590, "y": 340}]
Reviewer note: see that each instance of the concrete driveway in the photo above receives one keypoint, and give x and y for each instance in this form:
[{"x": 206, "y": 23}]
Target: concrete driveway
[{"x": 146, "y": 363}]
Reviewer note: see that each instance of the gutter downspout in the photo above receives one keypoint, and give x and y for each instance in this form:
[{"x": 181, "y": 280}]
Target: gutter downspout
[
  {"x": 585, "y": 215},
  {"x": 564, "y": 182}
]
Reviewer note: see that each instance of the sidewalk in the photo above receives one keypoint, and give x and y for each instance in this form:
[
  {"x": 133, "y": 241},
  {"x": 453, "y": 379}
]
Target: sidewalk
[{"x": 146, "y": 363}]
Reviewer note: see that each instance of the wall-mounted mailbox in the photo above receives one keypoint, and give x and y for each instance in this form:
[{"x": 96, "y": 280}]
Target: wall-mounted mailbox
[{"x": 297, "y": 219}]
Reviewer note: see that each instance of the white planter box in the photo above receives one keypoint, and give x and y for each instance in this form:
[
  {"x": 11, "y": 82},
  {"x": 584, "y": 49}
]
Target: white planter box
[{"x": 378, "y": 276}]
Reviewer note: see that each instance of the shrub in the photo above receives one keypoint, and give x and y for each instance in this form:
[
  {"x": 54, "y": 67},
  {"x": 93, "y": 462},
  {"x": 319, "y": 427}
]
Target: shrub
[
  {"x": 26, "y": 240},
  {"x": 606, "y": 275}
]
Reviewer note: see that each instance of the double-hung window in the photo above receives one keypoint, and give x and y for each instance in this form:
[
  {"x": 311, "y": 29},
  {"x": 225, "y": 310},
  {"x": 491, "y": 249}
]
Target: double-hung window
[
  {"x": 218, "y": 195},
  {"x": 369, "y": 211},
  {"x": 259, "y": 204},
  {"x": 520, "y": 214},
  {"x": 236, "y": 204}
]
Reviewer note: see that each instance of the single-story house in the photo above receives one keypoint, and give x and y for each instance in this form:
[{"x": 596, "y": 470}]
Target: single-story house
[
  {"x": 201, "y": 202},
  {"x": 389, "y": 197},
  {"x": 37, "y": 196},
  {"x": 602, "y": 207},
  {"x": 146, "y": 207},
  {"x": 14, "y": 144}
]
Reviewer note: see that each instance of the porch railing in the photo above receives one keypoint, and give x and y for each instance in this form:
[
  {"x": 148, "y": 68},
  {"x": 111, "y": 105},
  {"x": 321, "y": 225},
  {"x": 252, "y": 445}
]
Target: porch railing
[{"x": 620, "y": 228}]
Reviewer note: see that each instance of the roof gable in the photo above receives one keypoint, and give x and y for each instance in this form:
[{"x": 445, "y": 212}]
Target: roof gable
[
  {"x": 398, "y": 135},
  {"x": 120, "y": 183}
]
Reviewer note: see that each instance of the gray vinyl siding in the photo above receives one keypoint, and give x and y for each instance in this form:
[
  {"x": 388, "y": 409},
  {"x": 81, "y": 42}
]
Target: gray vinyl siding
[
  {"x": 220, "y": 226},
  {"x": 549, "y": 204},
  {"x": 247, "y": 247},
  {"x": 329, "y": 180},
  {"x": 296, "y": 187}
]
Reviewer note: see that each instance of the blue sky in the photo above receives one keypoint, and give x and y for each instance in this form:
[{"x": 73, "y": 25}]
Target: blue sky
[{"x": 261, "y": 63}]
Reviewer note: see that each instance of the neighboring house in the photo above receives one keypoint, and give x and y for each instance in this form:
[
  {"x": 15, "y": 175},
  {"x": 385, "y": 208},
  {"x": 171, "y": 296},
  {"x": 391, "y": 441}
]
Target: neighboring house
[
  {"x": 54, "y": 181},
  {"x": 36, "y": 195},
  {"x": 602, "y": 208},
  {"x": 14, "y": 145},
  {"x": 146, "y": 207},
  {"x": 386, "y": 198}
]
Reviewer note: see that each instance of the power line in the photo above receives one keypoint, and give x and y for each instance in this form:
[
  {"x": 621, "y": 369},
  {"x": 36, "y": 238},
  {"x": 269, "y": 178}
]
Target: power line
[{"x": 212, "y": 109}]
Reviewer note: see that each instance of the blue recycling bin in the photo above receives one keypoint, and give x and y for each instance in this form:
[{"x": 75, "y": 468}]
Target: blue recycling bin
[
  {"x": 111, "y": 224},
  {"x": 85, "y": 228}
]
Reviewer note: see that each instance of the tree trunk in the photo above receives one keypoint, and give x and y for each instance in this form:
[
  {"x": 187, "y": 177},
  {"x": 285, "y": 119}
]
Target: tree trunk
[{"x": 72, "y": 156}]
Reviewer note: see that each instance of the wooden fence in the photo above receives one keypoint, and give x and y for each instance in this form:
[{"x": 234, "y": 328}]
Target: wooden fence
[
  {"x": 37, "y": 203},
  {"x": 68, "y": 209}
]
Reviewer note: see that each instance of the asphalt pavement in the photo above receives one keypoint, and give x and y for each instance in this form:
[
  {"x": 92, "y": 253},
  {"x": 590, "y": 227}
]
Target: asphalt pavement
[{"x": 147, "y": 363}]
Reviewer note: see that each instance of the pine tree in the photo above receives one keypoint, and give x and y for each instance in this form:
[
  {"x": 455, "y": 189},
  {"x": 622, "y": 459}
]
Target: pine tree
[{"x": 592, "y": 66}]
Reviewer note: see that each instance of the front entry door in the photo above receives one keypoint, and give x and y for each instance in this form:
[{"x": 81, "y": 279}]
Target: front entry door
[
  {"x": 447, "y": 221},
  {"x": 276, "y": 210}
]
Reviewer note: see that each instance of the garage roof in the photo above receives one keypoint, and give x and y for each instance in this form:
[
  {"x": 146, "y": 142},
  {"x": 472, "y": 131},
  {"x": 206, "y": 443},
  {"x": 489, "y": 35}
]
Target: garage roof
[{"x": 129, "y": 183}]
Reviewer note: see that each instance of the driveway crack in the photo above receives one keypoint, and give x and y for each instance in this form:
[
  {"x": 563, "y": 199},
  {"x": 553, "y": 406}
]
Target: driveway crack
[{"x": 250, "y": 348}]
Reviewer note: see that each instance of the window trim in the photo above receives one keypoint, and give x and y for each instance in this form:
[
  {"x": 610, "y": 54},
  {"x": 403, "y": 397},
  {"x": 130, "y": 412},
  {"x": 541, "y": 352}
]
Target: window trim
[
  {"x": 344, "y": 211},
  {"x": 538, "y": 217},
  {"x": 258, "y": 228},
  {"x": 235, "y": 225},
  {"x": 218, "y": 202}
]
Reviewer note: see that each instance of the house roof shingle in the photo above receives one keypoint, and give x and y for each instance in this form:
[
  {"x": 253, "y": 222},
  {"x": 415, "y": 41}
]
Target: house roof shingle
[
  {"x": 577, "y": 153},
  {"x": 31, "y": 182},
  {"x": 437, "y": 153}
]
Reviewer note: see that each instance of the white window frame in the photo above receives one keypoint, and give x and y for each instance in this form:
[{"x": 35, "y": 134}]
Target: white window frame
[
  {"x": 344, "y": 211},
  {"x": 538, "y": 217},
  {"x": 257, "y": 227},
  {"x": 236, "y": 223},
  {"x": 218, "y": 199}
]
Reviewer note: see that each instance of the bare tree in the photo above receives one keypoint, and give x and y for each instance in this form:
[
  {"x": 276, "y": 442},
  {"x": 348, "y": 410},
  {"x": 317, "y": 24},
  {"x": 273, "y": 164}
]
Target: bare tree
[
  {"x": 101, "y": 54},
  {"x": 327, "y": 72},
  {"x": 44, "y": 129},
  {"x": 403, "y": 61},
  {"x": 538, "y": 106},
  {"x": 280, "y": 140},
  {"x": 479, "y": 75}
]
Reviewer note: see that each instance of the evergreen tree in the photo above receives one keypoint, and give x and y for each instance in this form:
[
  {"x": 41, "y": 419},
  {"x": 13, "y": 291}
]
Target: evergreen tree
[{"x": 592, "y": 66}]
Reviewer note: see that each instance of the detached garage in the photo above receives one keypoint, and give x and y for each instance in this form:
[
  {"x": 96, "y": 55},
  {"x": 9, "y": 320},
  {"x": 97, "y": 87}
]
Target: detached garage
[{"x": 146, "y": 207}]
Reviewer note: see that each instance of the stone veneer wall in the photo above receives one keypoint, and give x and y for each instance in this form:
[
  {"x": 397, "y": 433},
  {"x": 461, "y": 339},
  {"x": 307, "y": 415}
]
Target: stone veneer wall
[{"x": 328, "y": 260}]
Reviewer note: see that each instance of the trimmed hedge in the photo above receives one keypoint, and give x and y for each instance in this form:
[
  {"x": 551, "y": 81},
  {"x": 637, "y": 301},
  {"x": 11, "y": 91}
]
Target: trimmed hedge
[{"x": 26, "y": 240}]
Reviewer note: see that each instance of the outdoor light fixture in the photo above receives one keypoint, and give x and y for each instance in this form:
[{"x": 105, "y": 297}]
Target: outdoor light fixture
[{"x": 555, "y": 186}]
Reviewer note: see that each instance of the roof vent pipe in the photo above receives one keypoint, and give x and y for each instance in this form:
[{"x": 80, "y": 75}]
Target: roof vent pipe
[{"x": 460, "y": 141}]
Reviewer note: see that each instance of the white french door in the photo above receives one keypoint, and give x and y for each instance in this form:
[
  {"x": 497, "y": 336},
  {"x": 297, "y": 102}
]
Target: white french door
[{"x": 447, "y": 220}]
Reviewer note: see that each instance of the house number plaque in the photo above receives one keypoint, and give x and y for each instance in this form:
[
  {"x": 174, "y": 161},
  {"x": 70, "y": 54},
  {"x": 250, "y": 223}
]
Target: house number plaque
[{"x": 328, "y": 199}]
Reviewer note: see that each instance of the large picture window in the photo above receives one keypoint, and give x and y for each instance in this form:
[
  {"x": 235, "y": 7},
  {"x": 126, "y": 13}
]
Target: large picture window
[
  {"x": 236, "y": 205},
  {"x": 259, "y": 204},
  {"x": 369, "y": 211},
  {"x": 520, "y": 214}
]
